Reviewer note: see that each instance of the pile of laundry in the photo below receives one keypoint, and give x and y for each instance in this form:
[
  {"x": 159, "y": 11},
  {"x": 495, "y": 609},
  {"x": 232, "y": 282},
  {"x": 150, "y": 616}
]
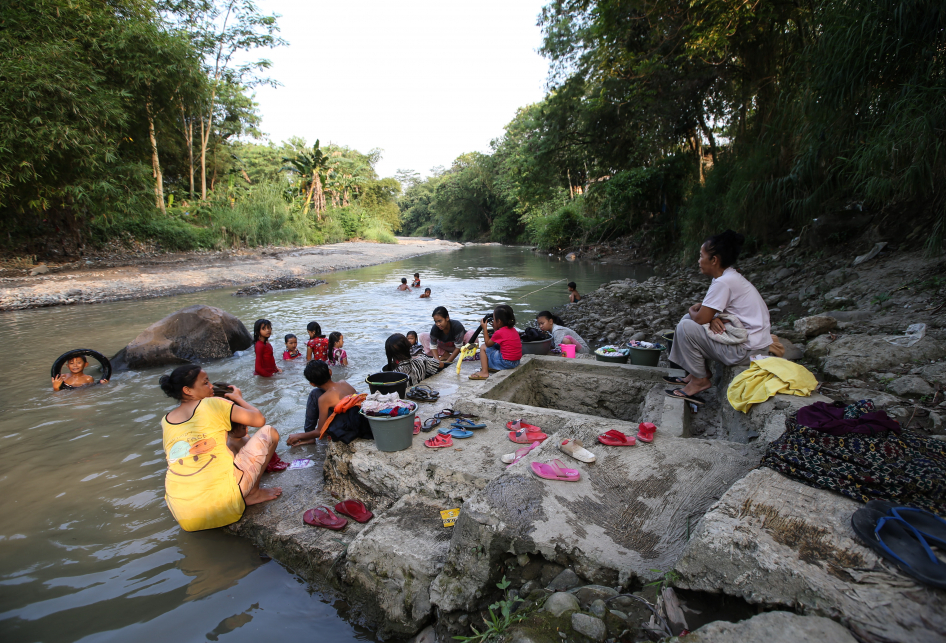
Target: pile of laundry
[
  {"x": 611, "y": 351},
  {"x": 652, "y": 345},
  {"x": 386, "y": 405}
]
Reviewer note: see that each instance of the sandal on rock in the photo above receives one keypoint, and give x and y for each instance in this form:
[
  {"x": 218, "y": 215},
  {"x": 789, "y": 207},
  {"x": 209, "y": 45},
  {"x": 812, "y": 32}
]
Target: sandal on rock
[
  {"x": 439, "y": 441},
  {"x": 479, "y": 376},
  {"x": 417, "y": 425},
  {"x": 645, "y": 431},
  {"x": 430, "y": 424},
  {"x": 673, "y": 380},
  {"x": 354, "y": 509},
  {"x": 577, "y": 450},
  {"x": 521, "y": 452},
  {"x": 615, "y": 438},
  {"x": 463, "y": 423},
  {"x": 323, "y": 517},
  {"x": 929, "y": 524},
  {"x": 554, "y": 470},
  {"x": 446, "y": 414},
  {"x": 680, "y": 395},
  {"x": 423, "y": 393},
  {"x": 900, "y": 543},
  {"x": 276, "y": 464},
  {"x": 456, "y": 433}
]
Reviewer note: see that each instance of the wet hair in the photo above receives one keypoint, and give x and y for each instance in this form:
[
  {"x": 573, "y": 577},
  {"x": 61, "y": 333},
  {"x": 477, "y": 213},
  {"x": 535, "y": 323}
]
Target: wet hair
[
  {"x": 173, "y": 384},
  {"x": 504, "y": 315},
  {"x": 426, "y": 289},
  {"x": 332, "y": 339},
  {"x": 417, "y": 274},
  {"x": 317, "y": 372},
  {"x": 440, "y": 310},
  {"x": 411, "y": 332},
  {"x": 82, "y": 357},
  {"x": 573, "y": 285},
  {"x": 548, "y": 315},
  {"x": 258, "y": 326},
  {"x": 403, "y": 280},
  {"x": 313, "y": 327},
  {"x": 726, "y": 246},
  {"x": 397, "y": 348},
  {"x": 288, "y": 337}
]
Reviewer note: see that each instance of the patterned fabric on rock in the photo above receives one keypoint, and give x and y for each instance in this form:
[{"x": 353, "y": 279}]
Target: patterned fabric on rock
[{"x": 907, "y": 468}]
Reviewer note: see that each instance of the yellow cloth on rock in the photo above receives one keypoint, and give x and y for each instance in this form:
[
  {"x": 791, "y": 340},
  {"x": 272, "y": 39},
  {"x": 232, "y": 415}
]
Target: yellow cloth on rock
[
  {"x": 466, "y": 351},
  {"x": 766, "y": 377},
  {"x": 199, "y": 487}
]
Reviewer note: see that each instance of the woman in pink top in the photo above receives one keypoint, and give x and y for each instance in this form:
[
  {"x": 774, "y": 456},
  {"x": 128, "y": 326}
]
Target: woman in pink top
[
  {"x": 729, "y": 293},
  {"x": 504, "y": 349}
]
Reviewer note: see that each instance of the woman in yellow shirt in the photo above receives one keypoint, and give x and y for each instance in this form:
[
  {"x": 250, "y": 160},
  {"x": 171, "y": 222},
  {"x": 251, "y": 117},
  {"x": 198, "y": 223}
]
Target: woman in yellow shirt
[{"x": 212, "y": 477}]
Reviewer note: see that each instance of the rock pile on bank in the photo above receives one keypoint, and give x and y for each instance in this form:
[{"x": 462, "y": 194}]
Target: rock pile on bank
[{"x": 279, "y": 283}]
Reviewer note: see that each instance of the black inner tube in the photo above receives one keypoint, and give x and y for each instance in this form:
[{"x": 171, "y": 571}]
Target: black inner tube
[{"x": 82, "y": 352}]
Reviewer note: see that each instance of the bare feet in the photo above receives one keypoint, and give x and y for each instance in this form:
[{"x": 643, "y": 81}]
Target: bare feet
[{"x": 262, "y": 494}]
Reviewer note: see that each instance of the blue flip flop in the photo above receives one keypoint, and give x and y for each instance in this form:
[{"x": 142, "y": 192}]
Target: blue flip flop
[
  {"x": 929, "y": 524},
  {"x": 463, "y": 423},
  {"x": 900, "y": 543},
  {"x": 457, "y": 433}
]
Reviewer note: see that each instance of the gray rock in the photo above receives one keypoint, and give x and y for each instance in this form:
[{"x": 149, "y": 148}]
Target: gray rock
[
  {"x": 194, "y": 333},
  {"x": 935, "y": 373},
  {"x": 783, "y": 303},
  {"x": 598, "y": 608},
  {"x": 41, "y": 269},
  {"x": 522, "y": 560},
  {"x": 783, "y": 273},
  {"x": 815, "y": 325},
  {"x": 639, "y": 337},
  {"x": 775, "y": 541},
  {"x": 590, "y": 593},
  {"x": 528, "y": 587},
  {"x": 857, "y": 355},
  {"x": 565, "y": 581},
  {"x": 621, "y": 615},
  {"x": 561, "y": 602},
  {"x": 773, "y": 627},
  {"x": 521, "y": 635},
  {"x": 910, "y": 386},
  {"x": 772, "y": 300},
  {"x": 593, "y": 628},
  {"x": 881, "y": 400},
  {"x": 426, "y": 635},
  {"x": 837, "y": 277},
  {"x": 850, "y": 315}
]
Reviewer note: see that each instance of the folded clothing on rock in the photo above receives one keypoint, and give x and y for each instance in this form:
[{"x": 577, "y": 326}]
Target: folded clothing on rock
[
  {"x": 383, "y": 402},
  {"x": 766, "y": 377},
  {"x": 899, "y": 466},
  {"x": 838, "y": 419},
  {"x": 393, "y": 412}
]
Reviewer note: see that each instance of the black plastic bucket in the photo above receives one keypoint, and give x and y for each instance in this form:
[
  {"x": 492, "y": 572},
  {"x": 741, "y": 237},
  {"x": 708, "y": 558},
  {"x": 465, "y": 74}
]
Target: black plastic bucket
[{"x": 385, "y": 383}]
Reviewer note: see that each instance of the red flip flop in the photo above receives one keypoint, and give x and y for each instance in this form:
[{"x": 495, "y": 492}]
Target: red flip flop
[
  {"x": 439, "y": 441},
  {"x": 645, "y": 431},
  {"x": 275, "y": 464},
  {"x": 522, "y": 433},
  {"x": 615, "y": 438},
  {"x": 417, "y": 425},
  {"x": 323, "y": 517},
  {"x": 354, "y": 509}
]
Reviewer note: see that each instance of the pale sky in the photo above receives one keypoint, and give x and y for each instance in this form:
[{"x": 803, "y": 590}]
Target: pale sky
[{"x": 423, "y": 80}]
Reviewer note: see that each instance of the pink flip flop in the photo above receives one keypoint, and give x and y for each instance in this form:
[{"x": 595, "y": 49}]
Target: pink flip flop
[
  {"x": 555, "y": 471},
  {"x": 615, "y": 438},
  {"x": 520, "y": 453},
  {"x": 645, "y": 431},
  {"x": 323, "y": 517},
  {"x": 417, "y": 425}
]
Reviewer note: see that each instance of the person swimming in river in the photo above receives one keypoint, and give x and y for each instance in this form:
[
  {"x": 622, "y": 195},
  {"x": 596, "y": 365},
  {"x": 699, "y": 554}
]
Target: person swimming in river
[
  {"x": 573, "y": 295},
  {"x": 336, "y": 353},
  {"x": 292, "y": 351},
  {"x": 317, "y": 346},
  {"x": 416, "y": 283},
  {"x": 265, "y": 362},
  {"x": 206, "y": 484},
  {"x": 404, "y": 285},
  {"x": 426, "y": 294},
  {"x": 76, "y": 376}
]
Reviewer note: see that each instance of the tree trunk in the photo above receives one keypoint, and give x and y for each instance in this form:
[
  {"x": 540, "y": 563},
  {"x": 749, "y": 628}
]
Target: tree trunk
[
  {"x": 155, "y": 162},
  {"x": 189, "y": 135},
  {"x": 571, "y": 191},
  {"x": 708, "y": 133},
  {"x": 203, "y": 162},
  {"x": 319, "y": 197}
]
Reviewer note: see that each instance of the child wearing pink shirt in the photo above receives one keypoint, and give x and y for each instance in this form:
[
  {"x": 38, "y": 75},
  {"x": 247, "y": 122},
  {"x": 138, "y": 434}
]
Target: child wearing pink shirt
[{"x": 502, "y": 350}]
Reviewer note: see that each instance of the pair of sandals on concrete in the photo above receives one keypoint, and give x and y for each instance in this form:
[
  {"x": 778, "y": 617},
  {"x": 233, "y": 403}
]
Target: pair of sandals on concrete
[
  {"x": 322, "y": 516},
  {"x": 905, "y": 536}
]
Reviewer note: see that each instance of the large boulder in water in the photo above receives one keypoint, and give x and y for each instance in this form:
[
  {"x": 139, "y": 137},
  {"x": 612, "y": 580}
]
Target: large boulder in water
[{"x": 194, "y": 333}]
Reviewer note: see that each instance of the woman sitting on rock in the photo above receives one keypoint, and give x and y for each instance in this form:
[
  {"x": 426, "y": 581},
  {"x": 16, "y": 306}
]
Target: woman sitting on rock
[
  {"x": 206, "y": 484},
  {"x": 560, "y": 333},
  {"x": 730, "y": 294}
]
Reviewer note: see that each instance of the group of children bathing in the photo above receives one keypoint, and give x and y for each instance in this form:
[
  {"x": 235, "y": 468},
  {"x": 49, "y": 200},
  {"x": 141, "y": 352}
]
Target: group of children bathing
[
  {"x": 414, "y": 284},
  {"x": 327, "y": 349}
]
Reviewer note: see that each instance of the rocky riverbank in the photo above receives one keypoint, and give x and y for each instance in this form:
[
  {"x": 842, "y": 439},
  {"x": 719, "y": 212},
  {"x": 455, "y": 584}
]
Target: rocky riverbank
[
  {"x": 838, "y": 314},
  {"x": 144, "y": 275}
]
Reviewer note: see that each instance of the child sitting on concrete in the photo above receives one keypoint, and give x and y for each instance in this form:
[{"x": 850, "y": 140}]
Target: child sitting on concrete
[
  {"x": 504, "y": 349},
  {"x": 323, "y": 397}
]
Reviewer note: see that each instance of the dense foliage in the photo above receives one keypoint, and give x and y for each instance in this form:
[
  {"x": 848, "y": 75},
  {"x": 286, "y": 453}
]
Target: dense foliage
[
  {"x": 681, "y": 118},
  {"x": 127, "y": 118}
]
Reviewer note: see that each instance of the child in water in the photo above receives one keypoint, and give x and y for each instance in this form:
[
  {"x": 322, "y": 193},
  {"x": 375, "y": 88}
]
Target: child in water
[
  {"x": 291, "y": 352},
  {"x": 504, "y": 349},
  {"x": 265, "y": 362},
  {"x": 336, "y": 354},
  {"x": 416, "y": 283},
  {"x": 573, "y": 295},
  {"x": 426, "y": 294},
  {"x": 416, "y": 349},
  {"x": 317, "y": 346},
  {"x": 404, "y": 285},
  {"x": 76, "y": 376}
]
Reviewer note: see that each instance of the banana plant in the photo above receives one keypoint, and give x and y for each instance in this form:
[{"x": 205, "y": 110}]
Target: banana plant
[{"x": 311, "y": 168}]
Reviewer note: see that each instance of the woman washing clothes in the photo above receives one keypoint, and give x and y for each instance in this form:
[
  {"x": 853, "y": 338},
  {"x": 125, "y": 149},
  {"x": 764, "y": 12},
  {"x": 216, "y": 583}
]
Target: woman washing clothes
[
  {"x": 446, "y": 336},
  {"x": 731, "y": 310},
  {"x": 560, "y": 333}
]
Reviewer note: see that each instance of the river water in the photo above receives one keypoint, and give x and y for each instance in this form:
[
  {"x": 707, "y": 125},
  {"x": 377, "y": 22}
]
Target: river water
[{"x": 88, "y": 550}]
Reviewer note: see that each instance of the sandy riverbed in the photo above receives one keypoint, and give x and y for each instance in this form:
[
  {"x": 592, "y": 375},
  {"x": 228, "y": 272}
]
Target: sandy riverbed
[{"x": 194, "y": 272}]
